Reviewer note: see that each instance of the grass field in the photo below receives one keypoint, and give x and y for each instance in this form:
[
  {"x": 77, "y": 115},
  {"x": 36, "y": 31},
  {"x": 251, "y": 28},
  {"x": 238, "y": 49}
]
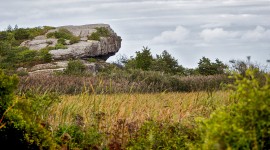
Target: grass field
[{"x": 136, "y": 108}]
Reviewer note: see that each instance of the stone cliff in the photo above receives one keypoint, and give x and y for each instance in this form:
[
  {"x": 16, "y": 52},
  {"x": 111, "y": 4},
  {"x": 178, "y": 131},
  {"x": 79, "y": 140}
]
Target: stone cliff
[
  {"x": 89, "y": 44},
  {"x": 84, "y": 48}
]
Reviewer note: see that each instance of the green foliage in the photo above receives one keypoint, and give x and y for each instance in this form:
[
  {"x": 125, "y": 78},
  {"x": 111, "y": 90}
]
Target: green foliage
[
  {"x": 60, "y": 46},
  {"x": 62, "y": 35},
  {"x": 21, "y": 34},
  {"x": 61, "y": 41},
  {"x": 153, "y": 135},
  {"x": 245, "y": 124},
  {"x": 79, "y": 137},
  {"x": 17, "y": 35},
  {"x": 91, "y": 60},
  {"x": 45, "y": 56},
  {"x": 74, "y": 39},
  {"x": 22, "y": 56},
  {"x": 101, "y": 32},
  {"x": 17, "y": 129},
  {"x": 143, "y": 60},
  {"x": 75, "y": 67},
  {"x": 206, "y": 67},
  {"x": 7, "y": 86},
  {"x": 94, "y": 36},
  {"x": 166, "y": 63}
]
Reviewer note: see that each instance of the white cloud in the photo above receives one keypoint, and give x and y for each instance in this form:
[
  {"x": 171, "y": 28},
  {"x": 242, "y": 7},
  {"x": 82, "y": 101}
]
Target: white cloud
[
  {"x": 258, "y": 34},
  {"x": 217, "y": 34},
  {"x": 176, "y": 36}
]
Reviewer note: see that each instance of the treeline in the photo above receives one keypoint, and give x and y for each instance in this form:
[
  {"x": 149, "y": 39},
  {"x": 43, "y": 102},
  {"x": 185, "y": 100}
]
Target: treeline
[{"x": 166, "y": 63}]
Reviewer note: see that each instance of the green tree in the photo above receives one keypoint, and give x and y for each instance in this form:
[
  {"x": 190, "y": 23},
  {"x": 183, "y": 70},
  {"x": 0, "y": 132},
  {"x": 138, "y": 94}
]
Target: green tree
[
  {"x": 9, "y": 28},
  {"x": 206, "y": 67},
  {"x": 143, "y": 60},
  {"x": 168, "y": 64}
]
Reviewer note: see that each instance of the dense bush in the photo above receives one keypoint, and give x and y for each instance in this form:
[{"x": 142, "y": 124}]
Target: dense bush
[
  {"x": 19, "y": 128},
  {"x": 154, "y": 135},
  {"x": 75, "y": 67},
  {"x": 75, "y": 136},
  {"x": 244, "y": 125},
  {"x": 206, "y": 67},
  {"x": 22, "y": 56}
]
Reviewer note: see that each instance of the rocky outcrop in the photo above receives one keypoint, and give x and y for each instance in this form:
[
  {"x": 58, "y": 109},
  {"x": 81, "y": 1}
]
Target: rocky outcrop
[
  {"x": 102, "y": 49},
  {"x": 60, "y": 66},
  {"x": 39, "y": 43}
]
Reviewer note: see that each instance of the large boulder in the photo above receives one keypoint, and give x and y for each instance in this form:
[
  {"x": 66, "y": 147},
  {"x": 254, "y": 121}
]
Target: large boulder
[{"x": 102, "y": 49}]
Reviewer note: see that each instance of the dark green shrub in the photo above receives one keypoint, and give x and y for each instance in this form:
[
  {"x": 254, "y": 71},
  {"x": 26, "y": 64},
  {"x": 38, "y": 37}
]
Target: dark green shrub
[
  {"x": 154, "y": 135},
  {"x": 206, "y": 67},
  {"x": 245, "y": 124},
  {"x": 45, "y": 56},
  {"x": 75, "y": 67},
  {"x": 27, "y": 56},
  {"x": 60, "y": 46},
  {"x": 17, "y": 129},
  {"x": 87, "y": 138},
  {"x": 94, "y": 36},
  {"x": 74, "y": 39},
  {"x": 61, "y": 41},
  {"x": 63, "y": 33},
  {"x": 8, "y": 84},
  {"x": 167, "y": 63},
  {"x": 50, "y": 35},
  {"x": 21, "y": 34}
]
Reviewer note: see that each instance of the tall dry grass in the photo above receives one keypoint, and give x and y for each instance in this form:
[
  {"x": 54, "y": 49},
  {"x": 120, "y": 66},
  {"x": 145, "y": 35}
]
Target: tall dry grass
[
  {"x": 108, "y": 109},
  {"x": 133, "y": 83}
]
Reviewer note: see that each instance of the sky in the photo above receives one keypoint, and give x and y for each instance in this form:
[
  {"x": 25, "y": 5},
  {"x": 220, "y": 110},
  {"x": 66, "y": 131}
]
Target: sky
[{"x": 187, "y": 29}]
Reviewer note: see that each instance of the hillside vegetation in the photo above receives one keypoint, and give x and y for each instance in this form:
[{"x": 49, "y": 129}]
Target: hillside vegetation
[{"x": 142, "y": 102}]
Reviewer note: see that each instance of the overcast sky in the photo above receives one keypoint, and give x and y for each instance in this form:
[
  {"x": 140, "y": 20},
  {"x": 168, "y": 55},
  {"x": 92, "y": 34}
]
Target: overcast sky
[{"x": 188, "y": 29}]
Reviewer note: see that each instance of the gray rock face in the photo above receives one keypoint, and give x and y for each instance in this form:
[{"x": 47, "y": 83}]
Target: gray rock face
[
  {"x": 60, "y": 66},
  {"x": 38, "y": 44},
  {"x": 103, "y": 49}
]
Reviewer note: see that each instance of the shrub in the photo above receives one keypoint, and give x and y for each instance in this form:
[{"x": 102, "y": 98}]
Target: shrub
[
  {"x": 101, "y": 32},
  {"x": 61, "y": 41},
  {"x": 75, "y": 67},
  {"x": 245, "y": 124},
  {"x": 21, "y": 34},
  {"x": 7, "y": 85},
  {"x": 84, "y": 138},
  {"x": 206, "y": 67},
  {"x": 74, "y": 39},
  {"x": 154, "y": 135},
  {"x": 45, "y": 56},
  {"x": 63, "y": 34},
  {"x": 50, "y": 35},
  {"x": 16, "y": 128},
  {"x": 60, "y": 46},
  {"x": 94, "y": 36}
]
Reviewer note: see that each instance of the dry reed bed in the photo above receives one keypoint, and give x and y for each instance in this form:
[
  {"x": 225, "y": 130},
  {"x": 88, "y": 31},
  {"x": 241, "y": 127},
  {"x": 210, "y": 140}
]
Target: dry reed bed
[
  {"x": 108, "y": 110},
  {"x": 141, "y": 84}
]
